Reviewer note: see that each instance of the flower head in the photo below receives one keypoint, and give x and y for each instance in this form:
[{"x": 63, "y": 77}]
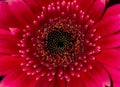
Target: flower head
[{"x": 59, "y": 43}]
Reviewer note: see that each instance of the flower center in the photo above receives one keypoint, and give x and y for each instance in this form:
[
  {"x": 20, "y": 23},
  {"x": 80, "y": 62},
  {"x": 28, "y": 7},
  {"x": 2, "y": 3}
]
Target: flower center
[
  {"x": 60, "y": 44},
  {"x": 58, "y": 41}
]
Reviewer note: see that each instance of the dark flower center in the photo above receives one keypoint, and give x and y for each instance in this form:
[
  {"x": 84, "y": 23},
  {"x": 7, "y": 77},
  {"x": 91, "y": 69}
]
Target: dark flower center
[
  {"x": 58, "y": 41},
  {"x": 60, "y": 44}
]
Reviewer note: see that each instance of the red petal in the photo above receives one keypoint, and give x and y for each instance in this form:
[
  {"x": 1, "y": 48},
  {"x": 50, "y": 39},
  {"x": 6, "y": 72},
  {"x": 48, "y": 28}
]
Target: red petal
[
  {"x": 94, "y": 8},
  {"x": 43, "y": 2},
  {"x": 113, "y": 10},
  {"x": 18, "y": 78},
  {"x": 112, "y": 41},
  {"x": 7, "y": 19},
  {"x": 33, "y": 5},
  {"x": 75, "y": 81},
  {"x": 60, "y": 83},
  {"x": 8, "y": 43},
  {"x": 43, "y": 82},
  {"x": 7, "y": 47},
  {"x": 4, "y": 32},
  {"x": 116, "y": 84},
  {"x": 8, "y": 64},
  {"x": 97, "y": 77},
  {"x": 21, "y": 11},
  {"x": 115, "y": 75},
  {"x": 110, "y": 57},
  {"x": 108, "y": 25}
]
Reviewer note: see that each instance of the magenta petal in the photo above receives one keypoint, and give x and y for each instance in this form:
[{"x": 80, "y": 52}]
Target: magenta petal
[
  {"x": 96, "y": 77},
  {"x": 4, "y": 32},
  {"x": 93, "y": 8},
  {"x": 7, "y": 19},
  {"x": 115, "y": 75},
  {"x": 60, "y": 83},
  {"x": 96, "y": 9},
  {"x": 110, "y": 57},
  {"x": 113, "y": 10},
  {"x": 18, "y": 78},
  {"x": 8, "y": 64},
  {"x": 75, "y": 81},
  {"x": 21, "y": 11},
  {"x": 43, "y": 82},
  {"x": 7, "y": 47},
  {"x": 112, "y": 41},
  {"x": 108, "y": 25},
  {"x": 44, "y": 2},
  {"x": 33, "y": 5},
  {"x": 8, "y": 42}
]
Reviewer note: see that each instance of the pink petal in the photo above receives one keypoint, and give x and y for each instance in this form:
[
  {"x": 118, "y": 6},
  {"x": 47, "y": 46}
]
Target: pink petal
[
  {"x": 21, "y": 11},
  {"x": 43, "y": 82},
  {"x": 7, "y": 19},
  {"x": 96, "y": 8},
  {"x": 7, "y": 47},
  {"x": 108, "y": 25},
  {"x": 75, "y": 81},
  {"x": 8, "y": 42},
  {"x": 36, "y": 5},
  {"x": 110, "y": 57},
  {"x": 60, "y": 83},
  {"x": 115, "y": 75},
  {"x": 97, "y": 77},
  {"x": 8, "y": 64},
  {"x": 44, "y": 2},
  {"x": 113, "y": 10},
  {"x": 33, "y": 5},
  {"x": 116, "y": 84},
  {"x": 18, "y": 78},
  {"x": 112, "y": 41},
  {"x": 4, "y": 32},
  {"x": 93, "y": 8}
]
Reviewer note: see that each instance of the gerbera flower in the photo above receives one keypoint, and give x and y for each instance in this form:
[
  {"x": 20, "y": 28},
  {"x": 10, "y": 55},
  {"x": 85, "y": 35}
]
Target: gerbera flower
[{"x": 59, "y": 43}]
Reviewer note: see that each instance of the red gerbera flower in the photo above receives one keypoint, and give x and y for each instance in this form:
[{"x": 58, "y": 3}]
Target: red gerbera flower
[{"x": 59, "y": 43}]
